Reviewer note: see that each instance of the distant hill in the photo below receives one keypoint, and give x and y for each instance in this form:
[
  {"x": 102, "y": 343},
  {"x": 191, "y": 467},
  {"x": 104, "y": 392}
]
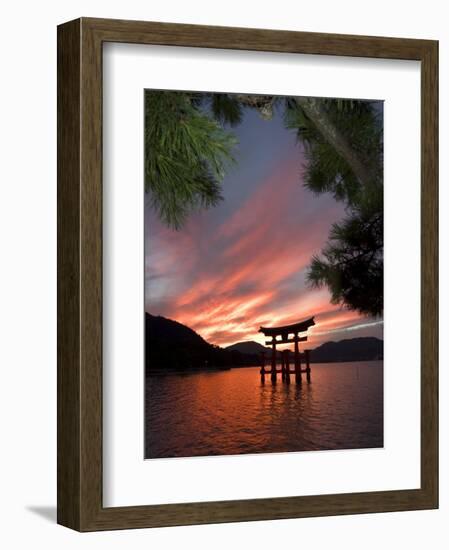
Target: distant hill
[
  {"x": 354, "y": 349},
  {"x": 170, "y": 345},
  {"x": 166, "y": 331},
  {"x": 252, "y": 348},
  {"x": 248, "y": 347}
]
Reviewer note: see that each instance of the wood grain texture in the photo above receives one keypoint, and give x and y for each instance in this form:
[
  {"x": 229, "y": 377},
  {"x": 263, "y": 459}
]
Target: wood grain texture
[
  {"x": 69, "y": 408},
  {"x": 80, "y": 274},
  {"x": 429, "y": 271}
]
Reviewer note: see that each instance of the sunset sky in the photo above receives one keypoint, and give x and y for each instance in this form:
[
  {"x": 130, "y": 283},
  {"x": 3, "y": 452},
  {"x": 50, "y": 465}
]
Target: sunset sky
[{"x": 243, "y": 263}]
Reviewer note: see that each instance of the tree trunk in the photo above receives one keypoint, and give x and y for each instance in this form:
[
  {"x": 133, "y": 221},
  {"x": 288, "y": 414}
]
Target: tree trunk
[{"x": 313, "y": 109}]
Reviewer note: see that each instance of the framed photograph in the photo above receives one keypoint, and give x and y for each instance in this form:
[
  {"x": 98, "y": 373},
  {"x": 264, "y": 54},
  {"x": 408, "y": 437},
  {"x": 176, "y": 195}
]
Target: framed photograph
[{"x": 247, "y": 274}]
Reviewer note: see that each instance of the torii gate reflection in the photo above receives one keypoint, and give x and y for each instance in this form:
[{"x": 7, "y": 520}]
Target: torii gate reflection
[{"x": 284, "y": 332}]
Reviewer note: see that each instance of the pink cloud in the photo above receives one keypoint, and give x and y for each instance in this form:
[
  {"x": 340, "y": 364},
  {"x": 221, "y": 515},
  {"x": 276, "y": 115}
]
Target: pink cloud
[{"x": 250, "y": 269}]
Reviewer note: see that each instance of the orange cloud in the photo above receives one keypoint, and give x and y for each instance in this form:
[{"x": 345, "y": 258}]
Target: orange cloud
[{"x": 228, "y": 278}]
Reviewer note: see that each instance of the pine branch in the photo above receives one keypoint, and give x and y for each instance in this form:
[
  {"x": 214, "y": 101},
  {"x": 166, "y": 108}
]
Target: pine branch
[
  {"x": 314, "y": 110},
  {"x": 186, "y": 154}
]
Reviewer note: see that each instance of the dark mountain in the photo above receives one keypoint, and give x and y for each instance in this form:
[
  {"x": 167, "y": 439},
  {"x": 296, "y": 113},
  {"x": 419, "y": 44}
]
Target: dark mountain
[
  {"x": 252, "y": 348},
  {"x": 354, "y": 349},
  {"x": 170, "y": 345},
  {"x": 248, "y": 347},
  {"x": 166, "y": 331}
]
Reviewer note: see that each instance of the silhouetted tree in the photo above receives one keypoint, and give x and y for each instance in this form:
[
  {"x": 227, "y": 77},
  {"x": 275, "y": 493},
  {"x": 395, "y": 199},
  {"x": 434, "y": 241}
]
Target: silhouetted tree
[
  {"x": 188, "y": 144},
  {"x": 350, "y": 167},
  {"x": 185, "y": 155}
]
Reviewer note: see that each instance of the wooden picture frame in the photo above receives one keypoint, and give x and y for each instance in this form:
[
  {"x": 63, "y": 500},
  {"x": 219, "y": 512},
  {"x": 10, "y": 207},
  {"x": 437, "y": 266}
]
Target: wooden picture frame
[{"x": 80, "y": 504}]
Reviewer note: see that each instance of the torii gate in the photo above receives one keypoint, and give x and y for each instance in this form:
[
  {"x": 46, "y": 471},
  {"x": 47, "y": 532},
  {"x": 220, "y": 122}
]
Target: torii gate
[{"x": 284, "y": 332}]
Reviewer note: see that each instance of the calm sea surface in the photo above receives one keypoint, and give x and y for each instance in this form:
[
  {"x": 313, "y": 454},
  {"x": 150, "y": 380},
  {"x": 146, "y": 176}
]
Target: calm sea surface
[{"x": 231, "y": 412}]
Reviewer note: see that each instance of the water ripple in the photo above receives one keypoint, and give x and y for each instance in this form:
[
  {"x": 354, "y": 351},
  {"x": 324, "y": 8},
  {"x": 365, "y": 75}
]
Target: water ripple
[{"x": 231, "y": 412}]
